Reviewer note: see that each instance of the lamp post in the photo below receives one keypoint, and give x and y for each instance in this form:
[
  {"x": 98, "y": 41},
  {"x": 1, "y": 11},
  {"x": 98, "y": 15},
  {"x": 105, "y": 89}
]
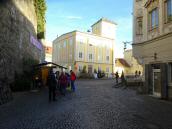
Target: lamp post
[{"x": 125, "y": 44}]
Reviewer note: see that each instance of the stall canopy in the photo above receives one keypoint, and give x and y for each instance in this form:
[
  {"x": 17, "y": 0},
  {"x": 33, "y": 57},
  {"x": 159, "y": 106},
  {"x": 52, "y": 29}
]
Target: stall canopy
[{"x": 51, "y": 64}]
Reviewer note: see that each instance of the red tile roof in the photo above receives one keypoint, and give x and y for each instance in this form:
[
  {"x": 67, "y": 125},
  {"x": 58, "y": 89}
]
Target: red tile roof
[{"x": 123, "y": 62}]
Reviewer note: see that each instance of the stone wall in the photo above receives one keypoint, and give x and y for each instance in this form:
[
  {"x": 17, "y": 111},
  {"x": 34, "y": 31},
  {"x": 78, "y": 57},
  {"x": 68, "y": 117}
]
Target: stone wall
[{"x": 17, "y": 24}]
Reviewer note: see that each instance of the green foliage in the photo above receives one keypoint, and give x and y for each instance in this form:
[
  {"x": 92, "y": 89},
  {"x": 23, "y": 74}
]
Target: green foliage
[
  {"x": 84, "y": 69},
  {"x": 86, "y": 76},
  {"x": 40, "y": 9},
  {"x": 95, "y": 70},
  {"x": 100, "y": 74}
]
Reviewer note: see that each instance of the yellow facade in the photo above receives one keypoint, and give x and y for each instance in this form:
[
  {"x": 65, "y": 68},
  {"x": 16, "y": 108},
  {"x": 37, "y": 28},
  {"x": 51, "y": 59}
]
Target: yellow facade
[
  {"x": 134, "y": 65},
  {"x": 78, "y": 49}
]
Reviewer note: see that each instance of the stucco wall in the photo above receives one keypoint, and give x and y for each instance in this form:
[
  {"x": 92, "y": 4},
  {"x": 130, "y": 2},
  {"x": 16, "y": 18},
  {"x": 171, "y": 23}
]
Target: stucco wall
[{"x": 162, "y": 47}]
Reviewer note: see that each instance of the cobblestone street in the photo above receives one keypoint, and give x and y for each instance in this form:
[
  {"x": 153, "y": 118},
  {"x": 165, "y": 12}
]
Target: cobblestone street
[{"x": 95, "y": 105}]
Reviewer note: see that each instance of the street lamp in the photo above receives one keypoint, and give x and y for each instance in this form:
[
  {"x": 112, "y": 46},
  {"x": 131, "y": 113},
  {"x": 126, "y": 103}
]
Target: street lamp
[{"x": 125, "y": 44}]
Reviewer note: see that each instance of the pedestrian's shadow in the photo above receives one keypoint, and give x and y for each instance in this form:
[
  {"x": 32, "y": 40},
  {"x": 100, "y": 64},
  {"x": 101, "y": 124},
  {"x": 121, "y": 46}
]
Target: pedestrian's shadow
[{"x": 120, "y": 85}]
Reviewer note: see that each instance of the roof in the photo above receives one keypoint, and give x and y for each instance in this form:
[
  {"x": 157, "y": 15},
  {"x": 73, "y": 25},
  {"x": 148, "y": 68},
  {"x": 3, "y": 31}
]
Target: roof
[
  {"x": 123, "y": 62},
  {"x": 106, "y": 20},
  {"x": 75, "y": 31},
  {"x": 46, "y": 63}
]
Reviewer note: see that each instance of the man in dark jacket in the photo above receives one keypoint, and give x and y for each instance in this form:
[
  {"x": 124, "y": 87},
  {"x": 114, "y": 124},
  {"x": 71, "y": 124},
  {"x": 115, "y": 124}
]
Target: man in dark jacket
[{"x": 51, "y": 81}]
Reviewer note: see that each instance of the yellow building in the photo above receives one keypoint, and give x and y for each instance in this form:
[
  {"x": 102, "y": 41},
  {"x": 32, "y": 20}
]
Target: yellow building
[
  {"x": 133, "y": 63},
  {"x": 94, "y": 50},
  {"x": 128, "y": 64},
  {"x": 121, "y": 66},
  {"x": 152, "y": 45}
]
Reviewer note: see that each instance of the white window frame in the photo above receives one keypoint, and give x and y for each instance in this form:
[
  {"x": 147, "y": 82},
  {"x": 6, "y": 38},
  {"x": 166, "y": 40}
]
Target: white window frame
[
  {"x": 80, "y": 68},
  {"x": 70, "y": 41},
  {"x": 80, "y": 55},
  {"x": 64, "y": 44},
  {"x": 107, "y": 59},
  {"x": 107, "y": 69},
  {"x": 154, "y": 18}
]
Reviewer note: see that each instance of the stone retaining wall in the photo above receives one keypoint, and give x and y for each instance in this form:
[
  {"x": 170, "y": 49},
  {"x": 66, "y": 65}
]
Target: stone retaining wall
[{"x": 17, "y": 24}]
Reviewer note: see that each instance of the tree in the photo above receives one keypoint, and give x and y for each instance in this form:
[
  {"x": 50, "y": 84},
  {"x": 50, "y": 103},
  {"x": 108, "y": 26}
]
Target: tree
[{"x": 84, "y": 69}]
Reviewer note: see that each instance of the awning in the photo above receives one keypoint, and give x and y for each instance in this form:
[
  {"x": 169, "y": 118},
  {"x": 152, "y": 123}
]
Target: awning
[{"x": 49, "y": 63}]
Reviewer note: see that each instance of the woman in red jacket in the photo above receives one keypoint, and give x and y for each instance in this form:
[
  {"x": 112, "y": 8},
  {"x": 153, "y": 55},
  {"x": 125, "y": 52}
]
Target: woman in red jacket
[{"x": 72, "y": 78}]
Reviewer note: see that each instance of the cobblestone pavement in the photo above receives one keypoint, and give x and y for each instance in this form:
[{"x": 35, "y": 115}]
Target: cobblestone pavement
[{"x": 95, "y": 105}]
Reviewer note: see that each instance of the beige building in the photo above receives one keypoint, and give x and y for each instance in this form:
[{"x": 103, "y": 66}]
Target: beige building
[
  {"x": 94, "y": 50},
  {"x": 152, "y": 47}
]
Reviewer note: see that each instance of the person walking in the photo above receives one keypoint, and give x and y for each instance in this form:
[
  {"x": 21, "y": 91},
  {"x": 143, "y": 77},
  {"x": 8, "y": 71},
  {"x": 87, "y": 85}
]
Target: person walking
[
  {"x": 123, "y": 81},
  {"x": 51, "y": 81},
  {"x": 116, "y": 77},
  {"x": 72, "y": 78},
  {"x": 63, "y": 83},
  {"x": 136, "y": 73},
  {"x": 68, "y": 79}
]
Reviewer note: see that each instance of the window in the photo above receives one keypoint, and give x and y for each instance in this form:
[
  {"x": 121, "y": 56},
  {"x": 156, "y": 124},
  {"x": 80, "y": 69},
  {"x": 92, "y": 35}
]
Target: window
[
  {"x": 168, "y": 11},
  {"x": 107, "y": 69},
  {"x": 71, "y": 41},
  {"x": 153, "y": 18},
  {"x": 107, "y": 58},
  {"x": 81, "y": 41},
  {"x": 107, "y": 51},
  {"x": 99, "y": 69},
  {"x": 139, "y": 25},
  {"x": 90, "y": 44},
  {"x": 64, "y": 45},
  {"x": 70, "y": 56},
  {"x": 80, "y": 68},
  {"x": 90, "y": 56},
  {"x": 80, "y": 55}
]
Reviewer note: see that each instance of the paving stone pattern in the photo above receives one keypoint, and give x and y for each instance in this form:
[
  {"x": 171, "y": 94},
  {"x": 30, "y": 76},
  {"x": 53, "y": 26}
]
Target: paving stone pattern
[{"x": 95, "y": 105}]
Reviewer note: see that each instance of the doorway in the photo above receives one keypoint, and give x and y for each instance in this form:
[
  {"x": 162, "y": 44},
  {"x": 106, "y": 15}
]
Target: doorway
[
  {"x": 90, "y": 68},
  {"x": 157, "y": 82}
]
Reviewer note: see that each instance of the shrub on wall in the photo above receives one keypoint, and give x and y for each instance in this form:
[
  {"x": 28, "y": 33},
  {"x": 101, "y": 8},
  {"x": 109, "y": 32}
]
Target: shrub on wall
[
  {"x": 84, "y": 69},
  {"x": 40, "y": 9}
]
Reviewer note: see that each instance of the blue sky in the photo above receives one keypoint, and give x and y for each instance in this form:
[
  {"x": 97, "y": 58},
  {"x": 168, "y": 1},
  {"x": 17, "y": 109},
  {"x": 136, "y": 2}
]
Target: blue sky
[{"x": 67, "y": 15}]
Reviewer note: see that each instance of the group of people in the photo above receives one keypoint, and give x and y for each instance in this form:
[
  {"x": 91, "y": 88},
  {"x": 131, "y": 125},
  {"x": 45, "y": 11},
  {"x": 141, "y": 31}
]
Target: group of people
[
  {"x": 117, "y": 77},
  {"x": 60, "y": 82}
]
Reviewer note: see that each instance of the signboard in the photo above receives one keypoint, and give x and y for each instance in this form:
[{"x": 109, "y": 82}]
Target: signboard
[{"x": 35, "y": 42}]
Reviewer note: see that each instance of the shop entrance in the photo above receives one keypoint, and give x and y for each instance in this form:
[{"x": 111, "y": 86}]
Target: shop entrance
[{"x": 157, "y": 82}]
